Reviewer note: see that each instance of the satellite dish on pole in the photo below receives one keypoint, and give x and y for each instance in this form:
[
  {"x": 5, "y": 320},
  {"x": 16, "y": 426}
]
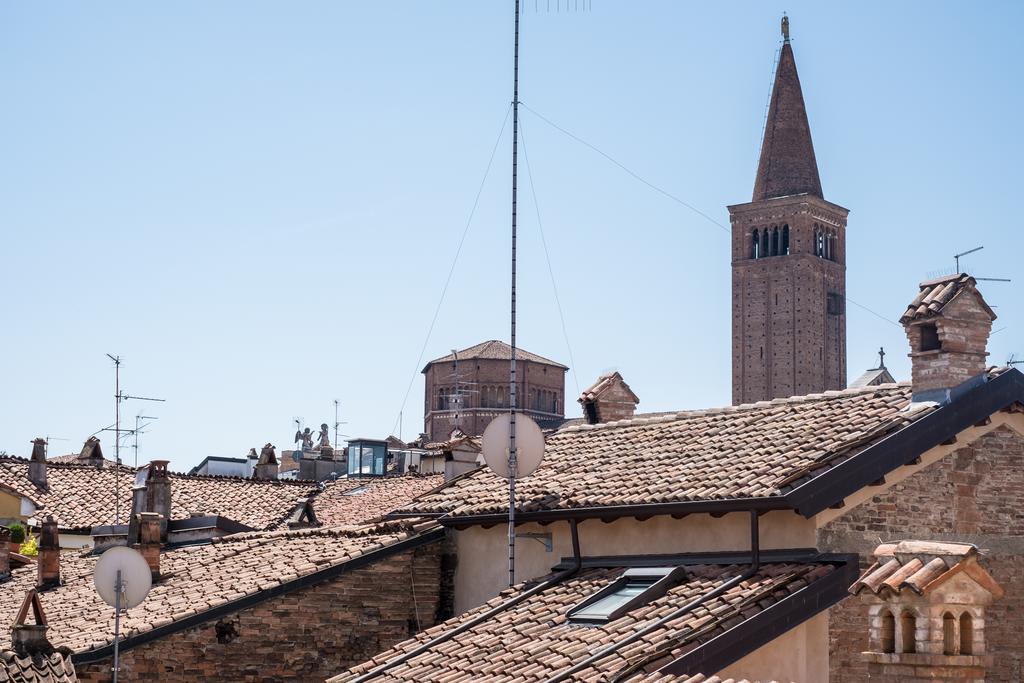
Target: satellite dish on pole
[
  {"x": 529, "y": 445},
  {"x": 124, "y": 566},
  {"x": 123, "y": 580}
]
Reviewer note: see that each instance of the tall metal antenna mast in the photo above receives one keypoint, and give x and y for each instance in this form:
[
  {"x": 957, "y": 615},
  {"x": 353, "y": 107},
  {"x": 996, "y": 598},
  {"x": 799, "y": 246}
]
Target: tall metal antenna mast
[
  {"x": 512, "y": 460},
  {"x": 337, "y": 403},
  {"x": 956, "y": 257},
  {"x": 136, "y": 432},
  {"x": 118, "y": 397}
]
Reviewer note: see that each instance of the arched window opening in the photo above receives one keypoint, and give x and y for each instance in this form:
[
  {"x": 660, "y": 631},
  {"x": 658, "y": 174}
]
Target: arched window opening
[
  {"x": 764, "y": 242},
  {"x": 831, "y": 246},
  {"x": 908, "y": 624},
  {"x": 827, "y": 246},
  {"x": 775, "y": 242},
  {"x": 814, "y": 247},
  {"x": 501, "y": 397},
  {"x": 755, "y": 247},
  {"x": 930, "y": 337},
  {"x": 785, "y": 240},
  {"x": 949, "y": 639},
  {"x": 966, "y": 634},
  {"x": 554, "y": 401},
  {"x": 888, "y": 634}
]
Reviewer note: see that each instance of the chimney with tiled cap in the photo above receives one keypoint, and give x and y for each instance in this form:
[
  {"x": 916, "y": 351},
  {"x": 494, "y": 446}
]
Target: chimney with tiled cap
[
  {"x": 37, "y": 463},
  {"x": 92, "y": 452},
  {"x": 29, "y": 640},
  {"x": 158, "y": 493},
  {"x": 948, "y": 326},
  {"x": 608, "y": 399},
  {"x": 266, "y": 466},
  {"x": 5, "y": 551},
  {"x": 926, "y": 612},
  {"x": 48, "y": 560},
  {"x": 149, "y": 541}
]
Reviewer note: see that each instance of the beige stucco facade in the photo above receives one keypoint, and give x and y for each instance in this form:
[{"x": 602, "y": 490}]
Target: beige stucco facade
[
  {"x": 483, "y": 568},
  {"x": 800, "y": 655}
]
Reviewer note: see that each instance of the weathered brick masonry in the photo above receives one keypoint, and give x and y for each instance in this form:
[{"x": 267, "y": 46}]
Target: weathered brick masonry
[
  {"x": 975, "y": 495},
  {"x": 306, "y": 635}
]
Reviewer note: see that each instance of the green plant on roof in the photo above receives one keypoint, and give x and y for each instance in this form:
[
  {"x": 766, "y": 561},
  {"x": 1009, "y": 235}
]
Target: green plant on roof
[
  {"x": 31, "y": 546},
  {"x": 17, "y": 532}
]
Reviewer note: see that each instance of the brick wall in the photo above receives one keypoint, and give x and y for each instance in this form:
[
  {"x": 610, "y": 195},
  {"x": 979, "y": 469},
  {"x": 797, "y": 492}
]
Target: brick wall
[
  {"x": 483, "y": 377},
  {"x": 976, "y": 495},
  {"x": 307, "y": 635},
  {"x": 784, "y": 340}
]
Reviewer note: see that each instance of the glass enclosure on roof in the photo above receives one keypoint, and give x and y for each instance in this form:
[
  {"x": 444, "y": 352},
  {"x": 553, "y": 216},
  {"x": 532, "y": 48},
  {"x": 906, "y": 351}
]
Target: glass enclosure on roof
[{"x": 367, "y": 458}]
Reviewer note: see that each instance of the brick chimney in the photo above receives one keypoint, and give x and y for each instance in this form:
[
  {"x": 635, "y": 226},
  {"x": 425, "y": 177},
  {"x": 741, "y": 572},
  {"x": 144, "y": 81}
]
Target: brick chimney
[
  {"x": 158, "y": 494},
  {"x": 926, "y": 612},
  {"x": 37, "y": 463},
  {"x": 948, "y": 326},
  {"x": 608, "y": 399},
  {"x": 266, "y": 466},
  {"x": 29, "y": 640},
  {"x": 149, "y": 541},
  {"x": 92, "y": 453},
  {"x": 48, "y": 560},
  {"x": 5, "y": 551}
]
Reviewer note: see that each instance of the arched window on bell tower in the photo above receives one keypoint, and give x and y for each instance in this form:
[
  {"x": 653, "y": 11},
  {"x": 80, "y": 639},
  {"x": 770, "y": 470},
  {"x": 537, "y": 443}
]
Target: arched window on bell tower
[
  {"x": 764, "y": 242},
  {"x": 775, "y": 242},
  {"x": 816, "y": 241},
  {"x": 785, "y": 240},
  {"x": 755, "y": 247}
]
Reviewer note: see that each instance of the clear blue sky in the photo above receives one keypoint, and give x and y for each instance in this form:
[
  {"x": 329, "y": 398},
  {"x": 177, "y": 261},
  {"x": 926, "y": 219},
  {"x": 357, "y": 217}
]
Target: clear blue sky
[{"x": 257, "y": 203}]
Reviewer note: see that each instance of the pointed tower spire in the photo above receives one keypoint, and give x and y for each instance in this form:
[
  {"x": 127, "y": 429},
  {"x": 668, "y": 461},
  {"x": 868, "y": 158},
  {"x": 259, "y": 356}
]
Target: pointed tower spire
[{"x": 787, "y": 164}]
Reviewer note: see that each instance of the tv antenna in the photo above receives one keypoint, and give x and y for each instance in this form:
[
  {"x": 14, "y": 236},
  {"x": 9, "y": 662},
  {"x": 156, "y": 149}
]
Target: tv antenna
[
  {"x": 118, "y": 397},
  {"x": 956, "y": 257},
  {"x": 123, "y": 579},
  {"x": 138, "y": 430},
  {"x": 1012, "y": 360},
  {"x": 337, "y": 424}
]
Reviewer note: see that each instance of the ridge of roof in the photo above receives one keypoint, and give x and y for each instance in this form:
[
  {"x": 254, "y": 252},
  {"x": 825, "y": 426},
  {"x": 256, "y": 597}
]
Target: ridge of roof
[
  {"x": 495, "y": 349},
  {"x": 656, "y": 418}
]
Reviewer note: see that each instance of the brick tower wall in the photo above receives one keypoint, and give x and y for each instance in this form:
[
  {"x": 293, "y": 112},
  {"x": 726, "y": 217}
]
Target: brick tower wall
[
  {"x": 481, "y": 375},
  {"x": 973, "y": 495},
  {"x": 787, "y": 340}
]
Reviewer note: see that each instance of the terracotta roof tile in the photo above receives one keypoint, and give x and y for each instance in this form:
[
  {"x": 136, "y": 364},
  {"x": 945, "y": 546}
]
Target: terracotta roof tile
[
  {"x": 534, "y": 639},
  {"x": 745, "y": 451},
  {"x": 934, "y": 295},
  {"x": 496, "y": 350},
  {"x": 921, "y": 566},
  {"x": 52, "y": 668},
  {"x": 194, "y": 579},
  {"x": 82, "y": 496},
  {"x": 356, "y": 501}
]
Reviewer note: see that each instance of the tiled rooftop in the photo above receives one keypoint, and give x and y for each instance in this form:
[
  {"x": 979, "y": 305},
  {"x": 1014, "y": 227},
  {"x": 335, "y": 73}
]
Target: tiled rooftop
[
  {"x": 534, "y": 640},
  {"x": 356, "y": 501},
  {"x": 934, "y": 295},
  {"x": 496, "y": 350},
  {"x": 82, "y": 496},
  {"x": 921, "y": 566},
  {"x": 746, "y": 451},
  {"x": 53, "y": 668},
  {"x": 195, "y": 579}
]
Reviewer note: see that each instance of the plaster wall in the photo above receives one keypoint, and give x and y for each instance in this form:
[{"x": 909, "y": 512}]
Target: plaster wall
[
  {"x": 483, "y": 568},
  {"x": 799, "y": 654}
]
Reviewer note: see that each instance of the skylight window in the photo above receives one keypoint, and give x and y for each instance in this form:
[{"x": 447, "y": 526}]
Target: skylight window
[
  {"x": 634, "y": 588},
  {"x": 356, "y": 491}
]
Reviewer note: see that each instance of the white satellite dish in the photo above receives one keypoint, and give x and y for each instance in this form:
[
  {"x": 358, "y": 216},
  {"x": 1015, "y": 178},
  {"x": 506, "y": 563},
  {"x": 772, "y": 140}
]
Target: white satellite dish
[
  {"x": 127, "y": 567},
  {"x": 529, "y": 445}
]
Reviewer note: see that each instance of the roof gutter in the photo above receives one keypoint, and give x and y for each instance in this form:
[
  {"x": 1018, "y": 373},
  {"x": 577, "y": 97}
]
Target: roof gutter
[
  {"x": 610, "y": 512},
  {"x": 480, "y": 618},
  {"x": 107, "y": 651},
  {"x": 907, "y": 444}
]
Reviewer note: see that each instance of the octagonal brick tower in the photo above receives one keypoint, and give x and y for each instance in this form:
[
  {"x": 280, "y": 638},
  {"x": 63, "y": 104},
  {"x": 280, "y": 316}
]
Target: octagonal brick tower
[{"x": 788, "y": 262}]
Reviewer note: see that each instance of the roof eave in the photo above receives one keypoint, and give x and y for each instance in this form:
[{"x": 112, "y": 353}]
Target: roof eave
[{"x": 906, "y": 445}]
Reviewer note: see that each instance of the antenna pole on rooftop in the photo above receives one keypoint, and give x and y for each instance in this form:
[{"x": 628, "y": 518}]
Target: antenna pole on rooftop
[{"x": 512, "y": 460}]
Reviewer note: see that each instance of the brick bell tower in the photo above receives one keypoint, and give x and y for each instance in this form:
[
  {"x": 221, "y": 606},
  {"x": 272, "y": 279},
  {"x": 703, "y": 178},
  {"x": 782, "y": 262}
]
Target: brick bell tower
[{"x": 788, "y": 262}]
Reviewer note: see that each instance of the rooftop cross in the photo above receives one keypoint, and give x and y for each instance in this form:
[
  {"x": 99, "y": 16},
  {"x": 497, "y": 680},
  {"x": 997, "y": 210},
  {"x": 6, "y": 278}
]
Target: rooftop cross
[{"x": 881, "y": 357}]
